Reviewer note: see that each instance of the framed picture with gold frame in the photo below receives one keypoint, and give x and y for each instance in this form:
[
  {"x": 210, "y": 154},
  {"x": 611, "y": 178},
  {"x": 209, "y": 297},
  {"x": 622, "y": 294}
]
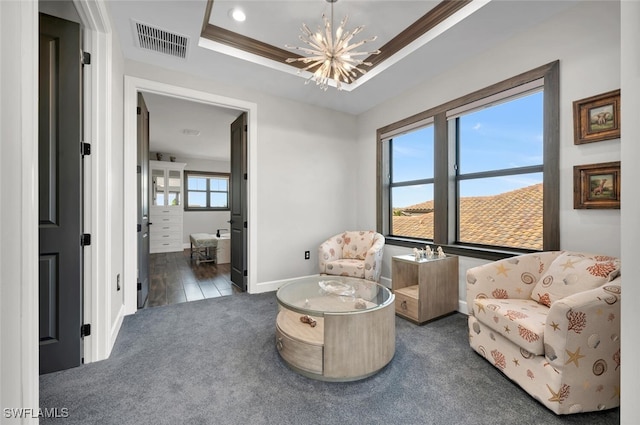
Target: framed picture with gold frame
[
  {"x": 596, "y": 186},
  {"x": 597, "y": 118}
]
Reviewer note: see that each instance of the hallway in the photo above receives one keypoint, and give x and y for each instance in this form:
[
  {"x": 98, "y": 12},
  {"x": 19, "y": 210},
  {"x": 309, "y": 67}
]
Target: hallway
[{"x": 174, "y": 278}]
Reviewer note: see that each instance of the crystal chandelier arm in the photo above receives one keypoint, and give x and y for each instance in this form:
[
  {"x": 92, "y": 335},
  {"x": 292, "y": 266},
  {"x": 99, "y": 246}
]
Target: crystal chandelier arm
[
  {"x": 329, "y": 54},
  {"x": 327, "y": 40}
]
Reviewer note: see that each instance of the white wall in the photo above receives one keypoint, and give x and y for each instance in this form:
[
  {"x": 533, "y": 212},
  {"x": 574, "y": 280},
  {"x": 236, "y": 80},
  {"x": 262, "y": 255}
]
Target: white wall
[
  {"x": 205, "y": 221},
  {"x": 19, "y": 214},
  {"x": 306, "y": 173},
  {"x": 586, "y": 41},
  {"x": 630, "y": 36}
]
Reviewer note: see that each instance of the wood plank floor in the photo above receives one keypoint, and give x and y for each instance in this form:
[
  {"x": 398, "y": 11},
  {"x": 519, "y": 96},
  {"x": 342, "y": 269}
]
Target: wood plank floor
[{"x": 174, "y": 278}]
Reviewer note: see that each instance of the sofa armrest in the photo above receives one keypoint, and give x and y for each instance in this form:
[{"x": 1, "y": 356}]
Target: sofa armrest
[
  {"x": 373, "y": 259},
  {"x": 330, "y": 250},
  {"x": 583, "y": 330},
  {"x": 512, "y": 277}
]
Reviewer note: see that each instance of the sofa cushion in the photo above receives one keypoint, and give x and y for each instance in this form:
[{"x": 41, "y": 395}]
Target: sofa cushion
[
  {"x": 356, "y": 244},
  {"x": 520, "y": 321},
  {"x": 573, "y": 272},
  {"x": 346, "y": 267}
]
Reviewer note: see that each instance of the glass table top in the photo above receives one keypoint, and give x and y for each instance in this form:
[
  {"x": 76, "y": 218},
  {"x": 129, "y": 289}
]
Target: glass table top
[{"x": 316, "y": 295}]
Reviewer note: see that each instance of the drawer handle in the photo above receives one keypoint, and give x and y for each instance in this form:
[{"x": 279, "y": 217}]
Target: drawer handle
[
  {"x": 279, "y": 344},
  {"x": 403, "y": 305}
]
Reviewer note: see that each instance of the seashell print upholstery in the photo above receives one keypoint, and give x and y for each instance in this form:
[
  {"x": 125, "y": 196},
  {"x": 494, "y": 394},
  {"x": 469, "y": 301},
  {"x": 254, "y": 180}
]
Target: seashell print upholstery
[
  {"x": 354, "y": 254},
  {"x": 564, "y": 352}
]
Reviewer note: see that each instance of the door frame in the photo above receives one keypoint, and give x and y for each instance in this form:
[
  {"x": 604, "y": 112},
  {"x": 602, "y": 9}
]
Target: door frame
[
  {"x": 132, "y": 85},
  {"x": 19, "y": 160},
  {"x": 98, "y": 123}
]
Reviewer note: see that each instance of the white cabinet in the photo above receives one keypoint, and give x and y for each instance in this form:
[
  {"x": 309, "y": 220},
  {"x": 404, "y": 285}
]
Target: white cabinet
[{"x": 166, "y": 211}]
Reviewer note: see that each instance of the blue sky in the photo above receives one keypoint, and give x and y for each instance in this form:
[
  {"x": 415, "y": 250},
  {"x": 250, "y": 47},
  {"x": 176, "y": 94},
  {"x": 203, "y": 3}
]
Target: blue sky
[{"x": 502, "y": 136}]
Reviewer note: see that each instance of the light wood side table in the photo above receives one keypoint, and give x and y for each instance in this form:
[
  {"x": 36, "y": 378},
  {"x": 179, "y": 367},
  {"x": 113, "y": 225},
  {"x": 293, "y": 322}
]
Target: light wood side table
[
  {"x": 353, "y": 335},
  {"x": 424, "y": 289}
]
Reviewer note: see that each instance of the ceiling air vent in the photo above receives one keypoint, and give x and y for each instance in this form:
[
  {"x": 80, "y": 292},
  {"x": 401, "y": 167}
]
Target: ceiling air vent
[{"x": 161, "y": 41}]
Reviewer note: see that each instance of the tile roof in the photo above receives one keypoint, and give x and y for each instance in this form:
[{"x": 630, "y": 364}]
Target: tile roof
[{"x": 510, "y": 219}]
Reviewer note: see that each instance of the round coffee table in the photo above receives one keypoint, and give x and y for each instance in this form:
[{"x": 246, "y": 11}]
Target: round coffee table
[{"x": 335, "y": 328}]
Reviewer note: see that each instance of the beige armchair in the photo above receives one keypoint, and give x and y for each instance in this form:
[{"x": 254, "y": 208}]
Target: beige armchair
[
  {"x": 353, "y": 253},
  {"x": 550, "y": 322}
]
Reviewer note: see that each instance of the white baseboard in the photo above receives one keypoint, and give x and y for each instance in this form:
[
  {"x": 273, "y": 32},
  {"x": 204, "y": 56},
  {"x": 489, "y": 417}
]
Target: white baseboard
[
  {"x": 385, "y": 281},
  {"x": 276, "y": 284},
  {"x": 115, "y": 329},
  {"x": 462, "y": 307}
]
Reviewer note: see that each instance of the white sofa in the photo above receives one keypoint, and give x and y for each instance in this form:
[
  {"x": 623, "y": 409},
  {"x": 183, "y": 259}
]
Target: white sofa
[{"x": 550, "y": 322}]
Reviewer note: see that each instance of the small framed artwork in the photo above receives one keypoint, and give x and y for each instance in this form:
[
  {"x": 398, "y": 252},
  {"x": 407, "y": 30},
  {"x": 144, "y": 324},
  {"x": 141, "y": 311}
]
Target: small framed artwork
[
  {"x": 597, "y": 118},
  {"x": 596, "y": 186}
]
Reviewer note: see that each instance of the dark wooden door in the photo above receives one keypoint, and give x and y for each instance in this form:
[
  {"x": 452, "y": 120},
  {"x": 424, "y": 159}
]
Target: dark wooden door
[
  {"x": 239, "y": 202},
  {"x": 60, "y": 194},
  {"x": 143, "y": 201}
]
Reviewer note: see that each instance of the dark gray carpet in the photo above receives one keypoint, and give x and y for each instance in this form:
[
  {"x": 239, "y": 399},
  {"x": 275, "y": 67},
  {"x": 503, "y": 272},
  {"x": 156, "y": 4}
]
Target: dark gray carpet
[{"x": 215, "y": 362}]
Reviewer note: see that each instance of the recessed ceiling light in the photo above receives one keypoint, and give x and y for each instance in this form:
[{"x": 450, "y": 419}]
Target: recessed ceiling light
[
  {"x": 237, "y": 14},
  {"x": 190, "y": 132}
]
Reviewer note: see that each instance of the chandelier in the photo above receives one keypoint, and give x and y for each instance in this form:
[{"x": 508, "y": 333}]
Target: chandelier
[{"x": 332, "y": 57}]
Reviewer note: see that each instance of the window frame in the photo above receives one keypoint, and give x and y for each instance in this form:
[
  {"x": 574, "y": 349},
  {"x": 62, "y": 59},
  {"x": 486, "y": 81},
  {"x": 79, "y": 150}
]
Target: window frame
[
  {"x": 208, "y": 191},
  {"x": 445, "y": 155}
]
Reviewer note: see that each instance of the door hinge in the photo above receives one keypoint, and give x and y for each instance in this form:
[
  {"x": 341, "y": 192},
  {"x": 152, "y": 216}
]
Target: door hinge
[
  {"x": 138, "y": 169},
  {"x": 139, "y": 228},
  {"x": 85, "y": 330},
  {"x": 245, "y": 176},
  {"x": 138, "y": 110},
  {"x": 139, "y": 286},
  {"x": 245, "y": 127},
  {"x": 86, "y": 58},
  {"x": 85, "y": 239},
  {"x": 245, "y": 273},
  {"x": 85, "y": 148},
  {"x": 245, "y": 224}
]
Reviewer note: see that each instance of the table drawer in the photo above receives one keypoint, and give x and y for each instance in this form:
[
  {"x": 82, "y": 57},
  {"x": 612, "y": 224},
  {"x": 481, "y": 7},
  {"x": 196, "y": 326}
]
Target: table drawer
[
  {"x": 299, "y": 354},
  {"x": 407, "y": 302}
]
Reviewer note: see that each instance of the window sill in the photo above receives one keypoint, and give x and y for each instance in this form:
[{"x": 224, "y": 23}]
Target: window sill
[
  {"x": 206, "y": 209},
  {"x": 472, "y": 251}
]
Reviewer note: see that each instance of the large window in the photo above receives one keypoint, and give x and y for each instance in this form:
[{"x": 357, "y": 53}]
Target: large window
[
  {"x": 411, "y": 183},
  {"x": 477, "y": 175},
  {"x": 499, "y": 173},
  {"x": 206, "y": 191}
]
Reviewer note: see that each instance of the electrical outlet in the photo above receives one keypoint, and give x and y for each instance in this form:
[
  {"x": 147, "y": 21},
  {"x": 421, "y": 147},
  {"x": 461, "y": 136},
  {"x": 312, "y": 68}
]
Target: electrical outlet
[
  {"x": 307, "y": 255},
  {"x": 118, "y": 282}
]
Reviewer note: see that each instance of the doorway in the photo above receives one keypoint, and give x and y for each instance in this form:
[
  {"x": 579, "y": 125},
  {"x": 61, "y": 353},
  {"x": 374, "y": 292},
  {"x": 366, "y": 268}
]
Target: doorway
[
  {"x": 189, "y": 133},
  {"x": 132, "y": 86}
]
